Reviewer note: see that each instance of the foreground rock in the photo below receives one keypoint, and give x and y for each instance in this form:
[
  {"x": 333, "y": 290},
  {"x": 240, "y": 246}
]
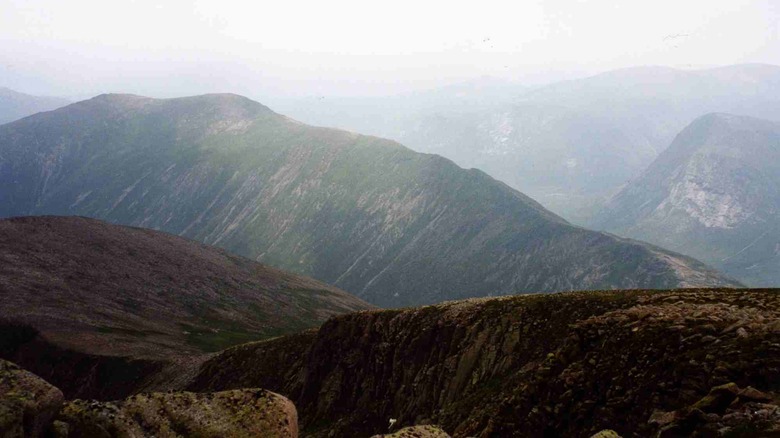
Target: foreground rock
[
  {"x": 416, "y": 432},
  {"x": 27, "y": 403},
  {"x": 568, "y": 364},
  {"x": 238, "y": 413},
  {"x": 726, "y": 411}
]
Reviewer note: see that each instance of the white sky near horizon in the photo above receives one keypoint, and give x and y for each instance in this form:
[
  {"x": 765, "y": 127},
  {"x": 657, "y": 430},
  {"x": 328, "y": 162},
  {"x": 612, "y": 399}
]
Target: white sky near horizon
[{"x": 176, "y": 47}]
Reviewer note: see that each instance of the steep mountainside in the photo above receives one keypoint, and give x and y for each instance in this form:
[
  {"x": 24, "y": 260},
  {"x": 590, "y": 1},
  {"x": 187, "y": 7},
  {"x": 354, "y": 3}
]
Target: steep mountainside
[
  {"x": 713, "y": 194},
  {"x": 390, "y": 225},
  {"x": 14, "y": 105},
  {"x": 705, "y": 361},
  {"x": 570, "y": 145},
  {"x": 97, "y": 288}
]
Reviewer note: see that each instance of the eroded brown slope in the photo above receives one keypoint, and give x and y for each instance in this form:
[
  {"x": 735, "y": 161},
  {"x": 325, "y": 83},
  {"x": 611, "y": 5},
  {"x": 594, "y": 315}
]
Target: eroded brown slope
[
  {"x": 106, "y": 289},
  {"x": 103, "y": 311},
  {"x": 557, "y": 365}
]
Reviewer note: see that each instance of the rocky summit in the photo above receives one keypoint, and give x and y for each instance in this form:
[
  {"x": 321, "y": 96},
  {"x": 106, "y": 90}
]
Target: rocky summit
[
  {"x": 389, "y": 225},
  {"x": 31, "y": 408}
]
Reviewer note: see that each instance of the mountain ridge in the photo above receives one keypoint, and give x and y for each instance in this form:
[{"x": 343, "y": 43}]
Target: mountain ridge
[{"x": 390, "y": 225}]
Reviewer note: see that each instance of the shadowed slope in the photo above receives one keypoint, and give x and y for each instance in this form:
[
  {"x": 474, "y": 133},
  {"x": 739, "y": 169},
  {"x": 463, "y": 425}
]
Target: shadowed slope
[
  {"x": 105, "y": 289},
  {"x": 539, "y": 365}
]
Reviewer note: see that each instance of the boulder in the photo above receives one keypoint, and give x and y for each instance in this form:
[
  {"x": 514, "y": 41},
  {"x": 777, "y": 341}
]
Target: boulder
[
  {"x": 28, "y": 404},
  {"x": 416, "y": 432},
  {"x": 236, "y": 413}
]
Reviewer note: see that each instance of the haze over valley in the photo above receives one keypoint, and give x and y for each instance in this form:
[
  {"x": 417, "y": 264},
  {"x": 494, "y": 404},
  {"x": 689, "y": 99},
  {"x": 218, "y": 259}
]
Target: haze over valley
[{"x": 416, "y": 219}]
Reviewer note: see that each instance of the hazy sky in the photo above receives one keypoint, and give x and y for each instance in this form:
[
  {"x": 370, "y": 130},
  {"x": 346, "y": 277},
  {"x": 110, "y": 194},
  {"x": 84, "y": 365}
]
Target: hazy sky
[{"x": 176, "y": 47}]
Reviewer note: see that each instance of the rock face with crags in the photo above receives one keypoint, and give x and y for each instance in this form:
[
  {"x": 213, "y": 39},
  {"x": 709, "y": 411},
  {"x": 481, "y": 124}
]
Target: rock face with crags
[
  {"x": 557, "y": 365},
  {"x": 28, "y": 404},
  {"x": 714, "y": 194}
]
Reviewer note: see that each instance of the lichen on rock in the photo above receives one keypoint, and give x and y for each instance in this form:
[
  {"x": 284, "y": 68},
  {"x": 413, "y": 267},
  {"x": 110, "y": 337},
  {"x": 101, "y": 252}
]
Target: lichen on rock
[
  {"x": 236, "y": 413},
  {"x": 28, "y": 404}
]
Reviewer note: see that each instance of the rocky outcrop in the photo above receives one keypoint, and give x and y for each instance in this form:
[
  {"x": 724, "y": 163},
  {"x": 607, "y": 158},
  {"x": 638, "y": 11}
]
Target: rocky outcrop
[
  {"x": 416, "y": 432},
  {"x": 714, "y": 194},
  {"x": 726, "y": 410},
  {"x": 237, "y": 413},
  {"x": 31, "y": 407},
  {"x": 28, "y": 404},
  {"x": 85, "y": 375},
  {"x": 558, "y": 365},
  {"x": 278, "y": 365}
]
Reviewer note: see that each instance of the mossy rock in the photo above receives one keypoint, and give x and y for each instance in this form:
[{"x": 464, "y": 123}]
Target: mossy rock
[
  {"x": 426, "y": 431},
  {"x": 718, "y": 399},
  {"x": 237, "y": 413},
  {"x": 28, "y": 403}
]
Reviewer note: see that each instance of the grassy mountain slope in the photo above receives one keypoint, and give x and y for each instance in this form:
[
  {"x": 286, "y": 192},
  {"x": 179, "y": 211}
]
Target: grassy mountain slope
[
  {"x": 97, "y": 288},
  {"x": 713, "y": 194},
  {"x": 390, "y": 225}
]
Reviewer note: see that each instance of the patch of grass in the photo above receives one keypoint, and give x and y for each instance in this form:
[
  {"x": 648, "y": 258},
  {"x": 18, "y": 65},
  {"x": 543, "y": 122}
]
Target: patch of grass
[{"x": 217, "y": 338}]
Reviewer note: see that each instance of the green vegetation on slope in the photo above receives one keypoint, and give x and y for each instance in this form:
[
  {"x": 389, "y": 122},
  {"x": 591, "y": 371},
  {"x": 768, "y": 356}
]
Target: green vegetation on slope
[{"x": 387, "y": 224}]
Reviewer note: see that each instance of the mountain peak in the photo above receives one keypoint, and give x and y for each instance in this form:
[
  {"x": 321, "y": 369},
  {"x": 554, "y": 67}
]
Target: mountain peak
[
  {"x": 716, "y": 125},
  {"x": 205, "y": 100}
]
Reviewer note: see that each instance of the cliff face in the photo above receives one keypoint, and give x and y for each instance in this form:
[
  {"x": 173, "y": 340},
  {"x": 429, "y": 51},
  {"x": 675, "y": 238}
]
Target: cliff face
[
  {"x": 79, "y": 374},
  {"x": 714, "y": 194},
  {"x": 389, "y": 225},
  {"x": 557, "y": 365},
  {"x": 28, "y": 404}
]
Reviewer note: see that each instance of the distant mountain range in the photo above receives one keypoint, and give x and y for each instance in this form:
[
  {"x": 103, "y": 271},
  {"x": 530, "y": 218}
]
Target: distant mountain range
[
  {"x": 15, "y": 105},
  {"x": 570, "y": 145},
  {"x": 392, "y": 226},
  {"x": 714, "y": 194},
  {"x": 98, "y": 288}
]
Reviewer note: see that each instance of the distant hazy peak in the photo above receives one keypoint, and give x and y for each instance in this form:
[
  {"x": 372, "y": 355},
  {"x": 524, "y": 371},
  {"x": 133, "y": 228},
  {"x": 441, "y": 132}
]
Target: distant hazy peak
[
  {"x": 733, "y": 120},
  {"x": 15, "y": 105}
]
